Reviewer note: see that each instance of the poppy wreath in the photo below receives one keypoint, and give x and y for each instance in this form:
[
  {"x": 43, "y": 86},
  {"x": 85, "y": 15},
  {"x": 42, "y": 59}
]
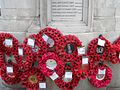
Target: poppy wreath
[
  {"x": 54, "y": 37},
  {"x": 92, "y": 62},
  {"x": 117, "y": 41},
  {"x": 26, "y": 60},
  {"x": 67, "y": 48},
  {"x": 31, "y": 79},
  {"x": 118, "y": 51},
  {"x": 116, "y": 44},
  {"x": 8, "y": 55},
  {"x": 69, "y": 85},
  {"x": 51, "y": 63},
  {"x": 8, "y": 48},
  {"x": 99, "y": 83},
  {"x": 10, "y": 78},
  {"x": 82, "y": 69},
  {"x": 93, "y": 47},
  {"x": 40, "y": 47},
  {"x": 114, "y": 54}
]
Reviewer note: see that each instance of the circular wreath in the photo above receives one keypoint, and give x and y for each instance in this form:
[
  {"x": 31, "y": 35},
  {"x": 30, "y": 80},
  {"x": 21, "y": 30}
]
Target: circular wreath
[
  {"x": 114, "y": 54},
  {"x": 54, "y": 34},
  {"x": 116, "y": 44},
  {"x": 68, "y": 85},
  {"x": 26, "y": 60},
  {"x": 51, "y": 63},
  {"x": 40, "y": 47},
  {"x": 7, "y": 58},
  {"x": 93, "y": 46},
  {"x": 67, "y": 48},
  {"x": 103, "y": 80},
  {"x": 8, "y": 37},
  {"x": 31, "y": 79},
  {"x": 10, "y": 78}
]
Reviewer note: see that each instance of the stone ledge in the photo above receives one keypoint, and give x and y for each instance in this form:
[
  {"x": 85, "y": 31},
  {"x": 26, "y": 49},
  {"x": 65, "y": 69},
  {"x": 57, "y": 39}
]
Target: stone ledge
[{"x": 113, "y": 88}]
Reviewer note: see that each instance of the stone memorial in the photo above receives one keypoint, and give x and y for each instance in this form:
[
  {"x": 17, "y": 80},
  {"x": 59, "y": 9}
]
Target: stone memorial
[{"x": 66, "y": 10}]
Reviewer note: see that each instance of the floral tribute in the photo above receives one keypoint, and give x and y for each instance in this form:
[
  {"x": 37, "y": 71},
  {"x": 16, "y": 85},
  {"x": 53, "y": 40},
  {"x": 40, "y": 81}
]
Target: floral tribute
[
  {"x": 101, "y": 77},
  {"x": 61, "y": 58},
  {"x": 51, "y": 63}
]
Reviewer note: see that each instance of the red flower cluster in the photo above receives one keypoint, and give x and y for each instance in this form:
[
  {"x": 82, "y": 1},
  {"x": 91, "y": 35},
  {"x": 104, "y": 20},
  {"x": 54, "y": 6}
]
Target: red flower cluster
[
  {"x": 53, "y": 37},
  {"x": 9, "y": 78},
  {"x": 99, "y": 52},
  {"x": 56, "y": 54},
  {"x": 31, "y": 79},
  {"x": 8, "y": 53},
  {"x": 51, "y": 63},
  {"x": 24, "y": 57},
  {"x": 116, "y": 44},
  {"x": 114, "y": 54},
  {"x": 37, "y": 45},
  {"x": 67, "y": 48},
  {"x": 6, "y": 38},
  {"x": 82, "y": 69},
  {"x": 99, "y": 79},
  {"x": 67, "y": 84}
]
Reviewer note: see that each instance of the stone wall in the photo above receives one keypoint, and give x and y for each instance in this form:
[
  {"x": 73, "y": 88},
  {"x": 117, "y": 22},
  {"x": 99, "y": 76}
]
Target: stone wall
[{"x": 25, "y": 17}]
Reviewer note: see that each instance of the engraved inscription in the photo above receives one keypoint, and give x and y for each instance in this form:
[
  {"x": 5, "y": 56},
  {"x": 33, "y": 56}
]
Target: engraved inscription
[{"x": 66, "y": 10}]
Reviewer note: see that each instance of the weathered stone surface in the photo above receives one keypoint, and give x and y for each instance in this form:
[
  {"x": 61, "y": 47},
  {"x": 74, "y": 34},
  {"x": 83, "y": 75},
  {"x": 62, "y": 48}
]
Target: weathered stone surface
[
  {"x": 117, "y": 12},
  {"x": 19, "y": 18},
  {"x": 105, "y": 12},
  {"x": 104, "y": 24},
  {"x": 18, "y": 3}
]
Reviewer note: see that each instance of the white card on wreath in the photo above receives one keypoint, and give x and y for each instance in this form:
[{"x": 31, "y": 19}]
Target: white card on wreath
[
  {"x": 51, "y": 64},
  {"x": 68, "y": 75},
  {"x": 45, "y": 37},
  {"x": 101, "y": 71},
  {"x": 20, "y": 51},
  {"x": 42, "y": 85},
  {"x": 54, "y": 76},
  {"x": 85, "y": 60},
  {"x": 9, "y": 69},
  {"x": 51, "y": 42},
  {"x": 101, "y": 42},
  {"x": 81, "y": 50},
  {"x": 31, "y": 42},
  {"x": 8, "y": 42}
]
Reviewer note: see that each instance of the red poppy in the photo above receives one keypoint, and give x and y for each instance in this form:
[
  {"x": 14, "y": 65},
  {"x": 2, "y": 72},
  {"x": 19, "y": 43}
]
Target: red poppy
[
  {"x": 10, "y": 78},
  {"x": 53, "y": 37},
  {"x": 6, "y": 38},
  {"x": 116, "y": 44},
  {"x": 114, "y": 54},
  {"x": 67, "y": 48},
  {"x": 97, "y": 51},
  {"x": 25, "y": 57},
  {"x": 51, "y": 63},
  {"x": 31, "y": 79},
  {"x": 39, "y": 48},
  {"x": 82, "y": 66},
  {"x": 8, "y": 53},
  {"x": 65, "y": 84},
  {"x": 98, "y": 79}
]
